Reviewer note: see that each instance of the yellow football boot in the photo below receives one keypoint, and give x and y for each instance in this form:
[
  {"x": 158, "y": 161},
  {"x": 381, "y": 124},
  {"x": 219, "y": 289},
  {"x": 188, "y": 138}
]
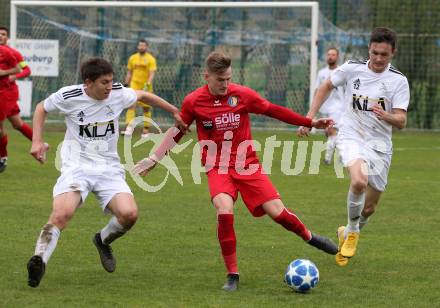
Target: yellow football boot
[
  {"x": 348, "y": 248},
  {"x": 340, "y": 259}
]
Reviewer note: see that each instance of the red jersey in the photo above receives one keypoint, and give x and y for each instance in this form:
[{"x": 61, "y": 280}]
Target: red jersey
[
  {"x": 7, "y": 61},
  {"x": 223, "y": 124}
]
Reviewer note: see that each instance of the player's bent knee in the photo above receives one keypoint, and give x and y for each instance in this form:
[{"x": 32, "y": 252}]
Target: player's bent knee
[
  {"x": 129, "y": 217},
  {"x": 60, "y": 219},
  {"x": 358, "y": 186}
]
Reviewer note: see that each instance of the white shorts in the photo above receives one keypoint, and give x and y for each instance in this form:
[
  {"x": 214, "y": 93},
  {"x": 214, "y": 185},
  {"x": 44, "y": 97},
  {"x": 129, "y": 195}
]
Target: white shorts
[
  {"x": 105, "y": 185},
  {"x": 351, "y": 148}
]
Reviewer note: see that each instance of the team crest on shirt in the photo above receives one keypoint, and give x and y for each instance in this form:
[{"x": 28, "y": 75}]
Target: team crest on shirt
[
  {"x": 109, "y": 111},
  {"x": 232, "y": 101},
  {"x": 356, "y": 84}
]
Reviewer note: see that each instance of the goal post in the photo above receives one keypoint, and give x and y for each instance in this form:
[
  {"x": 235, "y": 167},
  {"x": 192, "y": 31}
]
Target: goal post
[{"x": 283, "y": 35}]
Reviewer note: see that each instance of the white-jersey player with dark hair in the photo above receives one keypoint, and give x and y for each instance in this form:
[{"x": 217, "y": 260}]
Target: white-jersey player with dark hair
[
  {"x": 377, "y": 96},
  {"x": 334, "y": 106},
  {"x": 90, "y": 161}
]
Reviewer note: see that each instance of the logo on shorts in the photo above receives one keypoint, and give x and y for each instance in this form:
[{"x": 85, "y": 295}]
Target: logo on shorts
[
  {"x": 232, "y": 101},
  {"x": 356, "y": 84}
]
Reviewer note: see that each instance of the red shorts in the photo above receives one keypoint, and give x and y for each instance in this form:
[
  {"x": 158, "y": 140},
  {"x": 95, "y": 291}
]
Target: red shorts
[
  {"x": 255, "y": 189},
  {"x": 8, "y": 104},
  {"x": 8, "y": 109}
]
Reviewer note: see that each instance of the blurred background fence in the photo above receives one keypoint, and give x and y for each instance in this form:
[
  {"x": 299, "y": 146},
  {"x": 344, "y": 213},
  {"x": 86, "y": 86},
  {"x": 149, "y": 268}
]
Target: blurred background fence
[{"x": 270, "y": 48}]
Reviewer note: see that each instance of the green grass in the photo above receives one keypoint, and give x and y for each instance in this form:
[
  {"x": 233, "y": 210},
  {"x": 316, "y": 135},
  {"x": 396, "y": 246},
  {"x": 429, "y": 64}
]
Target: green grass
[{"x": 171, "y": 257}]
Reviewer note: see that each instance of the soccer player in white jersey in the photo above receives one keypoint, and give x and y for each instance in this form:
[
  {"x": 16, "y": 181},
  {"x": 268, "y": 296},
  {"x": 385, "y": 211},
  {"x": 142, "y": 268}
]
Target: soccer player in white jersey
[
  {"x": 377, "y": 96},
  {"x": 90, "y": 161},
  {"x": 333, "y": 106}
]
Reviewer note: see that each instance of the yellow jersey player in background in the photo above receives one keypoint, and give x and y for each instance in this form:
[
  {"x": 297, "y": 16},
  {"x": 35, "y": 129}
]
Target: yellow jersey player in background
[{"x": 141, "y": 68}]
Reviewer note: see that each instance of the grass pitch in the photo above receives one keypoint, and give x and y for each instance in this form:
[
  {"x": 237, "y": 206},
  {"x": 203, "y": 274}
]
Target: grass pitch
[{"x": 172, "y": 258}]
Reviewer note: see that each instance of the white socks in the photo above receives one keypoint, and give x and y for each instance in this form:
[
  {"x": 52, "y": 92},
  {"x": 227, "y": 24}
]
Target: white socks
[
  {"x": 363, "y": 221},
  {"x": 47, "y": 241},
  {"x": 355, "y": 205},
  {"x": 112, "y": 231},
  {"x": 330, "y": 149}
]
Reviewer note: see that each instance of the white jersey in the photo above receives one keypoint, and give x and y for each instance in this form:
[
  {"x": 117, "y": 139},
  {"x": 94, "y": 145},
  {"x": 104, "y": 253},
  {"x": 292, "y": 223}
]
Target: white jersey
[
  {"x": 92, "y": 126},
  {"x": 334, "y": 104},
  {"x": 365, "y": 88}
]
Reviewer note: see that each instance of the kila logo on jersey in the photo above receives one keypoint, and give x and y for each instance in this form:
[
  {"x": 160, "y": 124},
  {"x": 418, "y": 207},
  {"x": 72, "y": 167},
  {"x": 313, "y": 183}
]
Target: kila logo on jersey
[
  {"x": 363, "y": 102},
  {"x": 232, "y": 101},
  {"x": 95, "y": 130},
  {"x": 356, "y": 84},
  {"x": 80, "y": 116},
  {"x": 217, "y": 102}
]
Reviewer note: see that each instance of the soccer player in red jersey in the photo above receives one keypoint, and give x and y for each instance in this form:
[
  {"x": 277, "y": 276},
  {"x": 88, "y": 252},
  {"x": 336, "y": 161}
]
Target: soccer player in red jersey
[
  {"x": 221, "y": 112},
  {"x": 9, "y": 108},
  {"x": 8, "y": 66}
]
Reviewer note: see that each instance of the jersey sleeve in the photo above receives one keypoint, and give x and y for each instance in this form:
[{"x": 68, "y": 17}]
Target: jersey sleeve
[
  {"x": 254, "y": 102},
  {"x": 21, "y": 62},
  {"x": 400, "y": 99},
  {"x": 9, "y": 58},
  {"x": 340, "y": 76},
  {"x": 55, "y": 102},
  {"x": 187, "y": 111},
  {"x": 129, "y": 97},
  {"x": 319, "y": 79},
  {"x": 152, "y": 64}
]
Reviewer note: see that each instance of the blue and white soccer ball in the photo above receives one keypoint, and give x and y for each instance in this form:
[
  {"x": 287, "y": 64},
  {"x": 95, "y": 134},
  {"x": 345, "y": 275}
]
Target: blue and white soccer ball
[{"x": 302, "y": 275}]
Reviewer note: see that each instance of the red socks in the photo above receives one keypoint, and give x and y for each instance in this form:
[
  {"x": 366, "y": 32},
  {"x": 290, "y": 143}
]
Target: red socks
[
  {"x": 26, "y": 130},
  {"x": 292, "y": 223},
  {"x": 228, "y": 242},
  {"x": 3, "y": 144}
]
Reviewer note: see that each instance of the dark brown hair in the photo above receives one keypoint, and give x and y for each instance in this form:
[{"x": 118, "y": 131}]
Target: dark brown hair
[
  {"x": 384, "y": 35},
  {"x": 94, "y": 68},
  {"x": 5, "y": 29}
]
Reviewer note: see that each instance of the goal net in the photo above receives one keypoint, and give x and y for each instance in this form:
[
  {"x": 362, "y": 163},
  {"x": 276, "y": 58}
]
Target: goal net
[{"x": 270, "y": 44}]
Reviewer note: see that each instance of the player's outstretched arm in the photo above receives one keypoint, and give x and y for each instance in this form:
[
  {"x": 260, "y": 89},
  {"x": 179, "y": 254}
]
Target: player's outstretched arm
[
  {"x": 39, "y": 147},
  {"x": 157, "y": 101},
  {"x": 318, "y": 99},
  {"x": 288, "y": 116},
  {"x": 172, "y": 137},
  {"x": 128, "y": 78}
]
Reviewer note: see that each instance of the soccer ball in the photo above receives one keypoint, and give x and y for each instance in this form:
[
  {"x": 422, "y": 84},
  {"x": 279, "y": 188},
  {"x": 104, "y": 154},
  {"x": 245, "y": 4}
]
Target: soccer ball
[{"x": 301, "y": 275}]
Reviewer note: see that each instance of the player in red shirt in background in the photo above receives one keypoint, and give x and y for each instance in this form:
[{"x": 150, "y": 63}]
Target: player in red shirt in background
[
  {"x": 9, "y": 108},
  {"x": 8, "y": 66},
  {"x": 221, "y": 111}
]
